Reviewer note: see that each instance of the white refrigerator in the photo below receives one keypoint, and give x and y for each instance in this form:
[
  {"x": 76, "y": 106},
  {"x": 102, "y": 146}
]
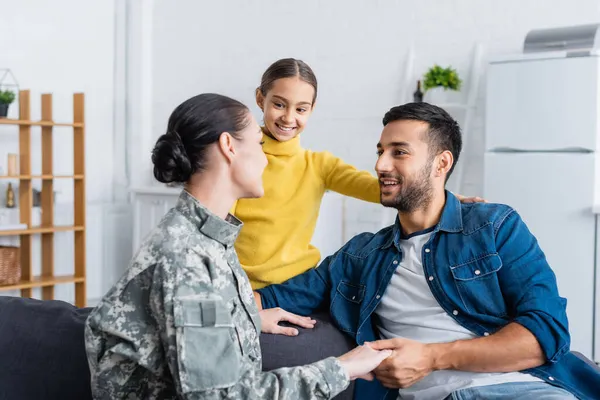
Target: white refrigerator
[{"x": 542, "y": 131}]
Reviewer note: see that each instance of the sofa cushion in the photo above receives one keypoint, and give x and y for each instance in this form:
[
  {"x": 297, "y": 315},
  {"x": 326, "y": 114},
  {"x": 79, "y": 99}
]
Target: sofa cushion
[
  {"x": 43, "y": 353},
  {"x": 311, "y": 345}
]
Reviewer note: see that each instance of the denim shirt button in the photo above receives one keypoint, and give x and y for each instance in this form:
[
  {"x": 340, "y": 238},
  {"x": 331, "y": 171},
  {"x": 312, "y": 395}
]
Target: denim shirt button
[
  {"x": 486, "y": 334},
  {"x": 378, "y": 297},
  {"x": 431, "y": 278},
  {"x": 427, "y": 250},
  {"x": 477, "y": 272},
  {"x": 395, "y": 262},
  {"x": 455, "y": 312},
  {"x": 551, "y": 378}
]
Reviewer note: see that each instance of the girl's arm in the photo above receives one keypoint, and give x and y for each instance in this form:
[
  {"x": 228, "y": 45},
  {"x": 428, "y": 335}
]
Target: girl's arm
[
  {"x": 349, "y": 181},
  {"x": 346, "y": 179}
]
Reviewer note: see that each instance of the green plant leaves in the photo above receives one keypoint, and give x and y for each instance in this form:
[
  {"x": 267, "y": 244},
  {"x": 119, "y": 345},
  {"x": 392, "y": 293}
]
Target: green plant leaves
[
  {"x": 445, "y": 77},
  {"x": 6, "y": 96}
]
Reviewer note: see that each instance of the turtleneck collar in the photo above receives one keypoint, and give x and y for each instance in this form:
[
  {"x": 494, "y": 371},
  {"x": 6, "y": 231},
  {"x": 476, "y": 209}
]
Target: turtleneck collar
[{"x": 277, "y": 148}]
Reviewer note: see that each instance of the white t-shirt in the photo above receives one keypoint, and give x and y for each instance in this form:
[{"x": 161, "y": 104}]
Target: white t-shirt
[{"x": 409, "y": 310}]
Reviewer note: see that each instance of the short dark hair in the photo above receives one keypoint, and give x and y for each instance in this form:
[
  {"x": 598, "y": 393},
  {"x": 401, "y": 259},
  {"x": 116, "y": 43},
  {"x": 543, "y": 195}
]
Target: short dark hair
[
  {"x": 193, "y": 126},
  {"x": 443, "y": 133},
  {"x": 287, "y": 68}
]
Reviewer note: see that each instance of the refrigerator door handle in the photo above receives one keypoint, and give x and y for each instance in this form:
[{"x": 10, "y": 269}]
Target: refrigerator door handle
[{"x": 569, "y": 150}]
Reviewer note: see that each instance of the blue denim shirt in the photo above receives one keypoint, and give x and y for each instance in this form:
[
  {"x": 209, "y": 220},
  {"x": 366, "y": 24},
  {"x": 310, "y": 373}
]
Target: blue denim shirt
[{"x": 485, "y": 269}]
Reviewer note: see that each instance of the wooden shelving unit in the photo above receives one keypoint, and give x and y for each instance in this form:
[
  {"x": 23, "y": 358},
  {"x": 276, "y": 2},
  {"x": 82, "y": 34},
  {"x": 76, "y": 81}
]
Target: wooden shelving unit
[{"x": 47, "y": 279}]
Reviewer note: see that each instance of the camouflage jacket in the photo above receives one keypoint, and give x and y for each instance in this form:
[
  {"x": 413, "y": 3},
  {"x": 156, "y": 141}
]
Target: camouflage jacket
[{"x": 182, "y": 322}]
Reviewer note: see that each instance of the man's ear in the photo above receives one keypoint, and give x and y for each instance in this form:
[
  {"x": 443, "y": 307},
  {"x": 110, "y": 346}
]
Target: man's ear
[
  {"x": 445, "y": 161},
  {"x": 226, "y": 146},
  {"x": 260, "y": 100}
]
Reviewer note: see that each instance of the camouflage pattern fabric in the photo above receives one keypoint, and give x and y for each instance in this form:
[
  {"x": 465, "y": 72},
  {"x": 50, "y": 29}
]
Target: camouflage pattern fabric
[{"x": 182, "y": 322}]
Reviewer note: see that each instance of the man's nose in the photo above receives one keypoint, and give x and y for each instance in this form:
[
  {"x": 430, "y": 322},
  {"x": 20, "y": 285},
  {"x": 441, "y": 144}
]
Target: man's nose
[{"x": 382, "y": 164}]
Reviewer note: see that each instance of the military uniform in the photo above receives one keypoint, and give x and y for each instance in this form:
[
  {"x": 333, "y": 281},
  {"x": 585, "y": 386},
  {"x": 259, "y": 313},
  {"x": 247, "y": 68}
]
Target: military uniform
[{"x": 182, "y": 322}]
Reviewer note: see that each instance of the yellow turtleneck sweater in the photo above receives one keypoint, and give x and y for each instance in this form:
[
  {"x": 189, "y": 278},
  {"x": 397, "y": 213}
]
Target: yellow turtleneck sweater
[{"x": 274, "y": 243}]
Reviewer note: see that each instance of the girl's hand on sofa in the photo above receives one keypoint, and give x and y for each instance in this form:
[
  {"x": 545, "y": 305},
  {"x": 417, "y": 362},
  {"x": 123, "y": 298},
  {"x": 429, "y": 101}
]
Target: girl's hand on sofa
[
  {"x": 271, "y": 318},
  {"x": 359, "y": 362}
]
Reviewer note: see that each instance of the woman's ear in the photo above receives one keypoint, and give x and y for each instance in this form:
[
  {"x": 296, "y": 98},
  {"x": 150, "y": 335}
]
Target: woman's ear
[
  {"x": 226, "y": 146},
  {"x": 260, "y": 100}
]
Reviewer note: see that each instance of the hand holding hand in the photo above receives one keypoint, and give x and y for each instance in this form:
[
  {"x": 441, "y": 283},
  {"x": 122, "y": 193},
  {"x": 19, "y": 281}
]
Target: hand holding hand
[
  {"x": 359, "y": 362},
  {"x": 410, "y": 362}
]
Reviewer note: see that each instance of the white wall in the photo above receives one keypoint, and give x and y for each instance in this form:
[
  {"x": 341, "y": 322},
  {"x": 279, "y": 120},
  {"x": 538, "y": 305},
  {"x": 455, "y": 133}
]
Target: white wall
[
  {"x": 357, "y": 49},
  {"x": 64, "y": 47},
  {"x": 61, "y": 47},
  {"x": 137, "y": 59}
]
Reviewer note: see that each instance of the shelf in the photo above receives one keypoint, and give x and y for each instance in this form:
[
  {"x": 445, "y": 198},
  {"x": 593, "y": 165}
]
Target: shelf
[
  {"x": 46, "y": 228},
  {"x": 10, "y": 121},
  {"x": 36, "y": 230},
  {"x": 43, "y": 281},
  {"x": 46, "y": 177}
]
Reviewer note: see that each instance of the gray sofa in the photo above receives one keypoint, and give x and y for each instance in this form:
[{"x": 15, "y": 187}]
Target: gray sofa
[
  {"x": 42, "y": 353},
  {"x": 309, "y": 346}
]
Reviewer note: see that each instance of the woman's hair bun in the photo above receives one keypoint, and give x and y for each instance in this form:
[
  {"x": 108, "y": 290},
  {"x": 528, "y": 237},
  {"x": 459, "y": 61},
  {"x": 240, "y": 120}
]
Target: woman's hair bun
[{"x": 171, "y": 162}]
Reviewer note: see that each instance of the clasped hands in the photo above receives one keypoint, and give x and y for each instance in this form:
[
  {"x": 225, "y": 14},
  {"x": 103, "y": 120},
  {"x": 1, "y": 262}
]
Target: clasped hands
[{"x": 409, "y": 362}]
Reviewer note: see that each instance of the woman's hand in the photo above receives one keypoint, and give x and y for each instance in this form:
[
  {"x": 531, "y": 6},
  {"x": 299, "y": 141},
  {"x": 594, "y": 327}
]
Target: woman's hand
[
  {"x": 271, "y": 318},
  {"x": 359, "y": 362}
]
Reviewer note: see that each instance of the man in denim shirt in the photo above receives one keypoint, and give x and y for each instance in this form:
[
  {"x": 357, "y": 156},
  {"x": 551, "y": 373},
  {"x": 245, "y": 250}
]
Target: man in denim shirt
[{"x": 462, "y": 293}]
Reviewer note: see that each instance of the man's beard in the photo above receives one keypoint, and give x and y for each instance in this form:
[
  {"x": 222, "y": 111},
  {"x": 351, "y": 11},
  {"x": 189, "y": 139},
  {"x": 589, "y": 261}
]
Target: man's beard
[{"x": 415, "y": 194}]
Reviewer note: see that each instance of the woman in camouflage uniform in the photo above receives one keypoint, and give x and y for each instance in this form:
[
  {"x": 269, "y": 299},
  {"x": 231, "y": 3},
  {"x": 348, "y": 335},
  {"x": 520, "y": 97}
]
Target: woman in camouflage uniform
[{"x": 182, "y": 321}]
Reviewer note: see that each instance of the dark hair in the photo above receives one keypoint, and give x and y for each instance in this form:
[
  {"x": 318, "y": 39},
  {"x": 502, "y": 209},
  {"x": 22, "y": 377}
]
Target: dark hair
[
  {"x": 193, "y": 126},
  {"x": 443, "y": 133},
  {"x": 287, "y": 68}
]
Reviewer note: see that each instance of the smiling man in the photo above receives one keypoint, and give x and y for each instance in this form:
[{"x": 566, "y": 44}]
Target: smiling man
[{"x": 461, "y": 291}]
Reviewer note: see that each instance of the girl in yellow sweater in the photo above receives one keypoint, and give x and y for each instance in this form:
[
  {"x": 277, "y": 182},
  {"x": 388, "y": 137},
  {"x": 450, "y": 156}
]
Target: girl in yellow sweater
[{"x": 274, "y": 243}]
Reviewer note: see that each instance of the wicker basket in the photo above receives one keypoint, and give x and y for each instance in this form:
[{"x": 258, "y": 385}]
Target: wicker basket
[{"x": 10, "y": 268}]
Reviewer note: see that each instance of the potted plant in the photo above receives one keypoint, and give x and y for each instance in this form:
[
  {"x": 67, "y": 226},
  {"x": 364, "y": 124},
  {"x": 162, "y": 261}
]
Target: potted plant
[
  {"x": 438, "y": 81},
  {"x": 6, "y": 98}
]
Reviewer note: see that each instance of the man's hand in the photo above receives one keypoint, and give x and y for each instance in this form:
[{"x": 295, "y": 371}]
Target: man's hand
[
  {"x": 359, "y": 362},
  {"x": 273, "y": 316},
  {"x": 512, "y": 348},
  {"x": 410, "y": 362}
]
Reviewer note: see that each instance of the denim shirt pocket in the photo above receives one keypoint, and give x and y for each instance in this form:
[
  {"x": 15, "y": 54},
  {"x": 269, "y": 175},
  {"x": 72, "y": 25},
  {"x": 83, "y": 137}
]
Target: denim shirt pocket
[
  {"x": 478, "y": 286},
  {"x": 346, "y": 305}
]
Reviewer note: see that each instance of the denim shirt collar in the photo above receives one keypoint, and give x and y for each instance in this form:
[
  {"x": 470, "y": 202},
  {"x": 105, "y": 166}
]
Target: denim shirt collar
[{"x": 450, "y": 221}]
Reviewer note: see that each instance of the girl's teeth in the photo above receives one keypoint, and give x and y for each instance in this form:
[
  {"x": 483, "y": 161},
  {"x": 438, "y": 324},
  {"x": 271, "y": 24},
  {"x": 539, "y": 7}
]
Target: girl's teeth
[{"x": 283, "y": 128}]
